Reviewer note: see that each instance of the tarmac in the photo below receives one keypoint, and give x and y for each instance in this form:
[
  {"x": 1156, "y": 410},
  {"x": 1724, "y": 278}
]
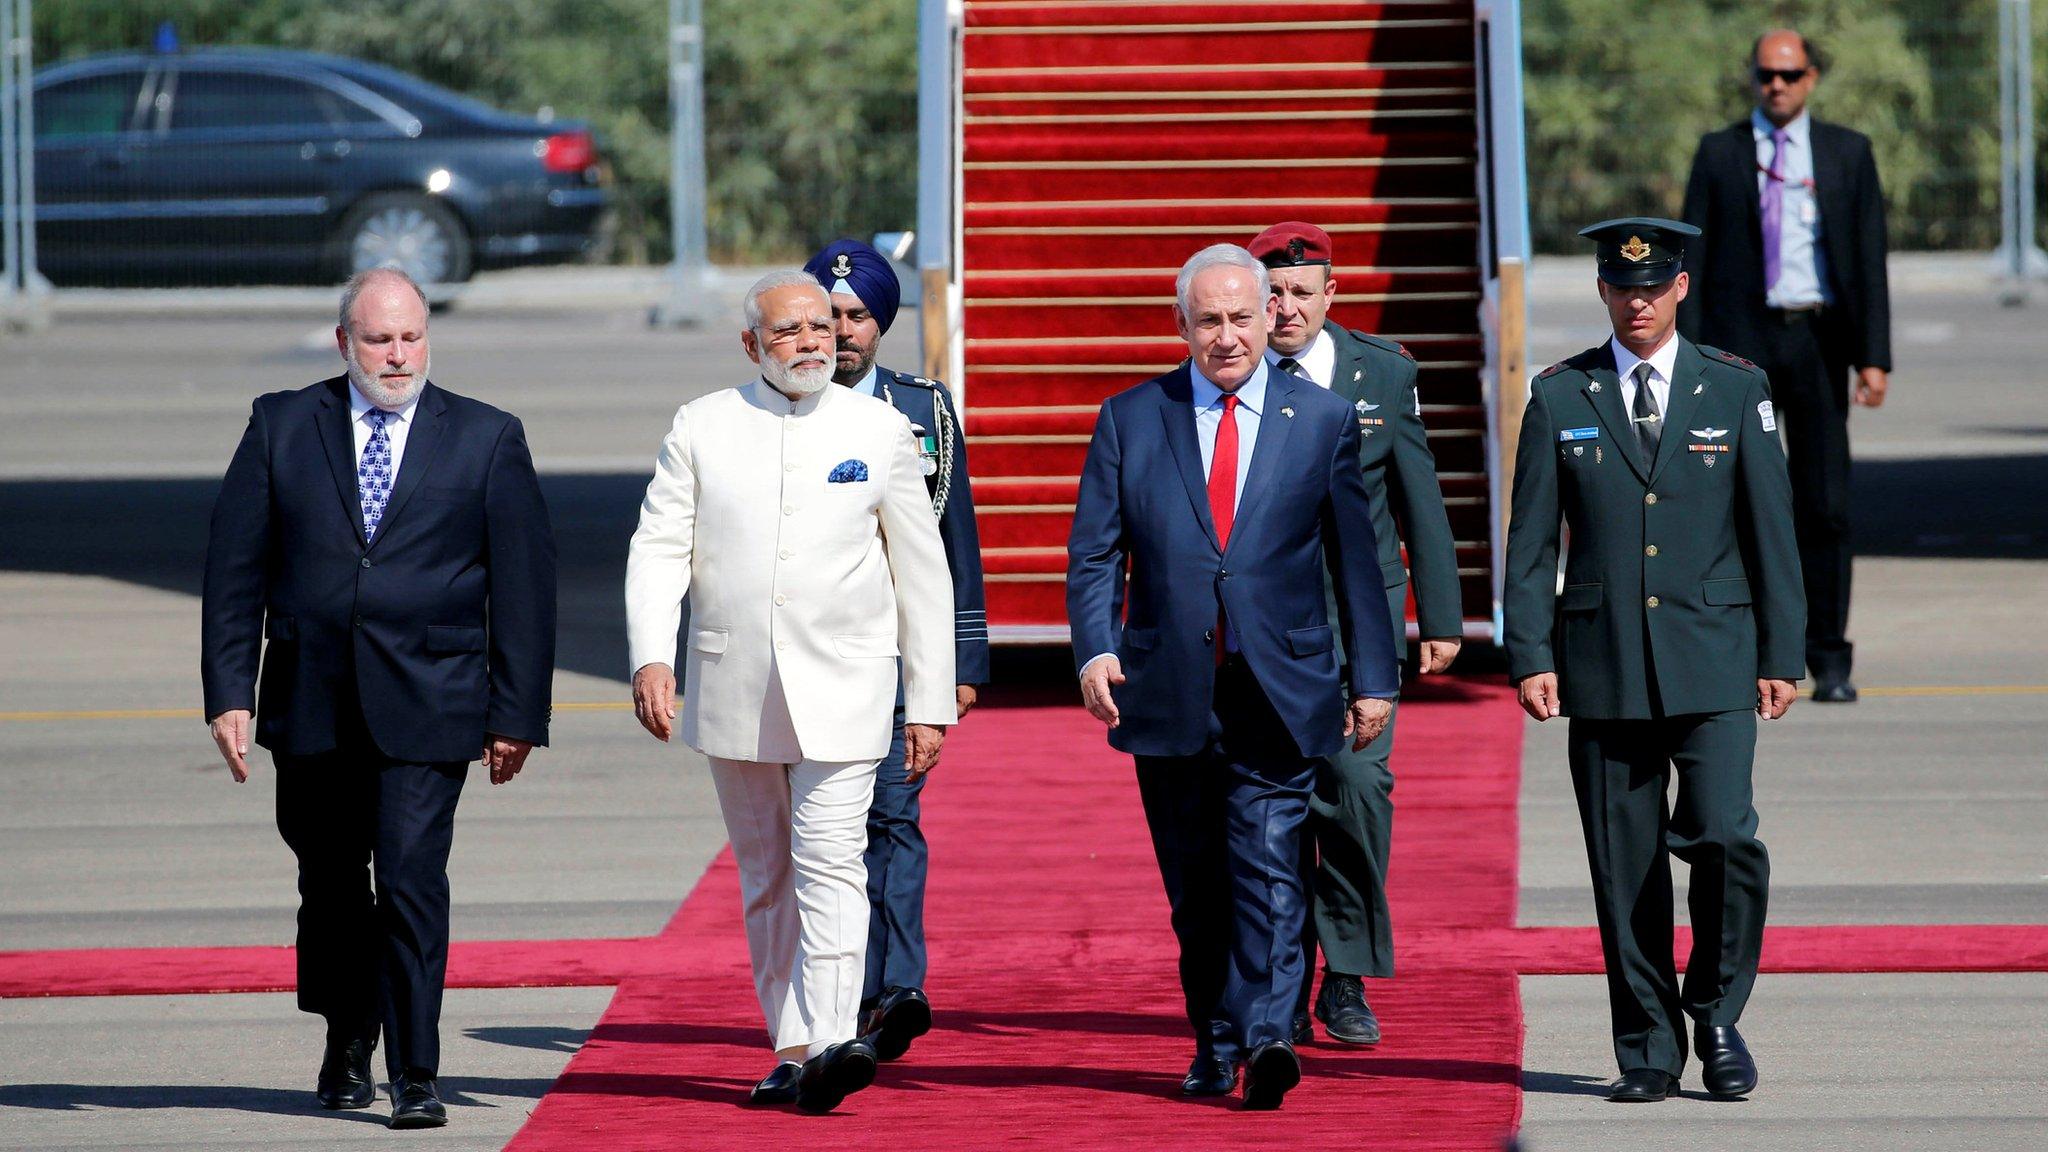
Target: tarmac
[{"x": 1923, "y": 804}]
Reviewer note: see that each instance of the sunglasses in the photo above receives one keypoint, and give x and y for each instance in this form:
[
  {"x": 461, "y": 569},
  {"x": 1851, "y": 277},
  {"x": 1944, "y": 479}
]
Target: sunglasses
[{"x": 1789, "y": 75}]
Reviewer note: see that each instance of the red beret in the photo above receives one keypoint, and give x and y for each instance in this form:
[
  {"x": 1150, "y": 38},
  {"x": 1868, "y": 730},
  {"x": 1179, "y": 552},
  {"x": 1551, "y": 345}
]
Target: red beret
[{"x": 1291, "y": 243}]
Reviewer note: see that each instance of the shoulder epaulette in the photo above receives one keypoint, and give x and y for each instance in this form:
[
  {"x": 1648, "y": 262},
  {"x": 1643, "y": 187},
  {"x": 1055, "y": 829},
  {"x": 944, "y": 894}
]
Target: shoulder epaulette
[
  {"x": 1382, "y": 343},
  {"x": 906, "y": 378},
  {"x": 1728, "y": 358},
  {"x": 1553, "y": 370}
]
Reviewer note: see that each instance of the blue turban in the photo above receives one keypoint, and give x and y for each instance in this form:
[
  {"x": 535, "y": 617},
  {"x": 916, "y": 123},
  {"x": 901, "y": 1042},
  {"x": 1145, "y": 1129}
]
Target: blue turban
[{"x": 851, "y": 266}]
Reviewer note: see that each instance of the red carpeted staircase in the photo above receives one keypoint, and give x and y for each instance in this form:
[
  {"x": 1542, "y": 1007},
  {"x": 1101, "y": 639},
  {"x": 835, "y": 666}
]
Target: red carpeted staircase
[{"x": 1106, "y": 142}]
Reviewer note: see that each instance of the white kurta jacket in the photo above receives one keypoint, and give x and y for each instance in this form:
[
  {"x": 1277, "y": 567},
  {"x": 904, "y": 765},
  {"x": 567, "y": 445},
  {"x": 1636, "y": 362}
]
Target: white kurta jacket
[{"x": 804, "y": 537}]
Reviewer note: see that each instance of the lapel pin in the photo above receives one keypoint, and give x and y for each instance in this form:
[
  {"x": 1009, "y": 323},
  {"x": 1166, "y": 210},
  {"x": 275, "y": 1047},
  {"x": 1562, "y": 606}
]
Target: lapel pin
[
  {"x": 1698, "y": 388},
  {"x": 1287, "y": 412},
  {"x": 1358, "y": 375},
  {"x": 1578, "y": 449},
  {"x": 1593, "y": 387}
]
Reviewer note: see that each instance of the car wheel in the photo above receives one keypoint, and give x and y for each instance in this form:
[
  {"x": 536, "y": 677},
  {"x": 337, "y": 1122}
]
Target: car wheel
[{"x": 419, "y": 235}]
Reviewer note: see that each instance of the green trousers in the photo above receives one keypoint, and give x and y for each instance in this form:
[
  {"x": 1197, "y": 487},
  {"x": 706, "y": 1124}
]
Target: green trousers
[
  {"x": 1352, "y": 818},
  {"x": 1621, "y": 771}
]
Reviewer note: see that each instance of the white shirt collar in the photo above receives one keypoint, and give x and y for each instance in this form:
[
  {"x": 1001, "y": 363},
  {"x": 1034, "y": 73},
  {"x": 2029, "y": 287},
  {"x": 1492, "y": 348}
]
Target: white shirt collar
[
  {"x": 1251, "y": 394},
  {"x": 767, "y": 398},
  {"x": 1662, "y": 362},
  {"x": 1318, "y": 361},
  {"x": 1796, "y": 132},
  {"x": 359, "y": 405}
]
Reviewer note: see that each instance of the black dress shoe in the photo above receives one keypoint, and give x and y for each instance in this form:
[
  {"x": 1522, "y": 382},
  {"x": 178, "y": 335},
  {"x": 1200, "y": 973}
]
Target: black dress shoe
[
  {"x": 416, "y": 1103},
  {"x": 900, "y": 1016},
  {"x": 1834, "y": 692},
  {"x": 779, "y": 1086},
  {"x": 1209, "y": 1075},
  {"x": 345, "y": 1080},
  {"x": 1345, "y": 1015},
  {"x": 1272, "y": 1071},
  {"x": 1725, "y": 1064},
  {"x": 1304, "y": 1032},
  {"x": 834, "y": 1074},
  {"x": 1643, "y": 1086}
]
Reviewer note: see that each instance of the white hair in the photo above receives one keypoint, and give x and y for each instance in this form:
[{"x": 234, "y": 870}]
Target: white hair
[
  {"x": 1218, "y": 256},
  {"x": 368, "y": 276},
  {"x": 782, "y": 278}
]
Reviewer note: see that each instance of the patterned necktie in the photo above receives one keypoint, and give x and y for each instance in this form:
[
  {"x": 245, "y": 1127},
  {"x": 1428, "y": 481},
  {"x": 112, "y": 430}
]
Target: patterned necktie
[
  {"x": 1291, "y": 366},
  {"x": 1649, "y": 425},
  {"x": 374, "y": 472},
  {"x": 1774, "y": 209},
  {"x": 1223, "y": 494}
]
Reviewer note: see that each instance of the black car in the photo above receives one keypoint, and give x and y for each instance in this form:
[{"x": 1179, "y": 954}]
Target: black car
[{"x": 224, "y": 164}]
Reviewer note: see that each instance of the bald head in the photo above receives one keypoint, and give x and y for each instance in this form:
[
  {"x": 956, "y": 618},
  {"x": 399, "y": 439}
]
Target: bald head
[{"x": 1784, "y": 70}]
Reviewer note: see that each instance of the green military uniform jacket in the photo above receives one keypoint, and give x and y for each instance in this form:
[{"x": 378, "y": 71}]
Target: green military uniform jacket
[
  {"x": 1377, "y": 377},
  {"x": 1685, "y": 566}
]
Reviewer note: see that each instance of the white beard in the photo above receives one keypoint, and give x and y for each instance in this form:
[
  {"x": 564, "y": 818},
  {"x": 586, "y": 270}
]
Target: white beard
[
  {"x": 379, "y": 391},
  {"x": 798, "y": 381}
]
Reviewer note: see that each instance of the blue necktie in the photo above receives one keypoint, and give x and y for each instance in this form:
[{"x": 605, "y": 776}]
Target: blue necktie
[{"x": 374, "y": 472}]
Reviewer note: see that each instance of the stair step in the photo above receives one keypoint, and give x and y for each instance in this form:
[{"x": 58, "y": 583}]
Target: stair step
[
  {"x": 1112, "y": 321},
  {"x": 1253, "y": 142},
  {"x": 1218, "y": 44},
  {"x": 1110, "y": 180},
  {"x": 1077, "y": 83},
  {"x": 1153, "y": 284},
  {"x": 1048, "y": 246}
]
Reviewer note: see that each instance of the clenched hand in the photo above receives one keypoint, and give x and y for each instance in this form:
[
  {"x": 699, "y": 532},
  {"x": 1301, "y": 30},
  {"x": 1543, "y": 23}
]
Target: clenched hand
[
  {"x": 921, "y": 749},
  {"x": 1365, "y": 720}
]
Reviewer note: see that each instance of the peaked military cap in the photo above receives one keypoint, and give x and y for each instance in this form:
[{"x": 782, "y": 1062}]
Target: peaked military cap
[
  {"x": 1291, "y": 244},
  {"x": 1639, "y": 250}
]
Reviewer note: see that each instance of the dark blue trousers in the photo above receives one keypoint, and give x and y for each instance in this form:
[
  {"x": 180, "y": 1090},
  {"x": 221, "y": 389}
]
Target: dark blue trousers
[
  {"x": 1227, "y": 827},
  {"x": 372, "y": 836},
  {"x": 897, "y": 861}
]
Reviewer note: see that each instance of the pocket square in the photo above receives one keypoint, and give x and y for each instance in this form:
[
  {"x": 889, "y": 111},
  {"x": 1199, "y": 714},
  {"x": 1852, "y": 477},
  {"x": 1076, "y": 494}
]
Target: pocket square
[{"x": 848, "y": 472}]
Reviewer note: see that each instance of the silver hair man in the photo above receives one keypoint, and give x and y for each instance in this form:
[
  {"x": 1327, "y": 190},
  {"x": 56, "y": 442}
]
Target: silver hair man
[
  {"x": 788, "y": 369},
  {"x": 1215, "y": 256}
]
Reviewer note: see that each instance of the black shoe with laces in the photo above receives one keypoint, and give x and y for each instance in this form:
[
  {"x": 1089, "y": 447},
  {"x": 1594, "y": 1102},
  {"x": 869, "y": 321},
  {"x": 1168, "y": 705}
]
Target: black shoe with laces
[{"x": 1345, "y": 1015}]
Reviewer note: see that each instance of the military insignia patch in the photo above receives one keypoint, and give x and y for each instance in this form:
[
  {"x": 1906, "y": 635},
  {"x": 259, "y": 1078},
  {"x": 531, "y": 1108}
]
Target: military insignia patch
[
  {"x": 1578, "y": 449},
  {"x": 1296, "y": 249},
  {"x": 1635, "y": 251},
  {"x": 842, "y": 266},
  {"x": 1769, "y": 417},
  {"x": 1365, "y": 406}
]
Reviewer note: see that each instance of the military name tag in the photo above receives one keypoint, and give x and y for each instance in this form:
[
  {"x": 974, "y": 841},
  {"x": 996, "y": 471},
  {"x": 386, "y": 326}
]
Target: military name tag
[{"x": 1579, "y": 434}]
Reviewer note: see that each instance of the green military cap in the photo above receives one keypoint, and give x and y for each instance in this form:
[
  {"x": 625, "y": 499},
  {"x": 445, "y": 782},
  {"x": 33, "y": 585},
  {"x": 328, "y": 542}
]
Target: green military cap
[{"x": 1640, "y": 250}]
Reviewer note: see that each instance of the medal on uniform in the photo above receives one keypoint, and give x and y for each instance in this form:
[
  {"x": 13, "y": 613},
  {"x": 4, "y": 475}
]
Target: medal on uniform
[
  {"x": 927, "y": 450},
  {"x": 1578, "y": 449}
]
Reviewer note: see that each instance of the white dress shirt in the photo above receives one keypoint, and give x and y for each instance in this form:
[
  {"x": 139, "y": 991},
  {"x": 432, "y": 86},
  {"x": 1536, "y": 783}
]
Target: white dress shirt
[
  {"x": 1802, "y": 266},
  {"x": 1662, "y": 362},
  {"x": 396, "y": 425},
  {"x": 1318, "y": 361}
]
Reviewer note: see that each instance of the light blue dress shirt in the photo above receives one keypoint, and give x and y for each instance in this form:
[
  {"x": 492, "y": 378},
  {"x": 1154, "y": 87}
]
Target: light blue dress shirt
[
  {"x": 869, "y": 385},
  {"x": 1208, "y": 401},
  {"x": 1802, "y": 264}
]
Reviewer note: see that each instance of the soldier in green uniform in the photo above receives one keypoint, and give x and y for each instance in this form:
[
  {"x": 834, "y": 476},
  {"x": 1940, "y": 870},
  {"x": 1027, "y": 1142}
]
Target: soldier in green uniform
[
  {"x": 1681, "y": 621},
  {"x": 1352, "y": 812}
]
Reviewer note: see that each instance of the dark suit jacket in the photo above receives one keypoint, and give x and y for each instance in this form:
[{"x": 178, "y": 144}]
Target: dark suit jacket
[
  {"x": 935, "y": 421},
  {"x": 1144, "y": 507},
  {"x": 1377, "y": 378},
  {"x": 443, "y": 627},
  {"x": 1725, "y": 574},
  {"x": 1725, "y": 302}
]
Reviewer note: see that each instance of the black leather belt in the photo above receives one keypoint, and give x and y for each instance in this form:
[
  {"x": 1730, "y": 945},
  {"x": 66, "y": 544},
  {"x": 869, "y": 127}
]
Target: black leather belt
[{"x": 1800, "y": 313}]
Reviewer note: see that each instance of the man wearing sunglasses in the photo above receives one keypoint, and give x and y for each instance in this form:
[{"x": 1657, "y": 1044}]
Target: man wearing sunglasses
[{"x": 1790, "y": 272}]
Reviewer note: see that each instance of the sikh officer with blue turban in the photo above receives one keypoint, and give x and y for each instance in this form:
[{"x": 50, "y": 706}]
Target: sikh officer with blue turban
[{"x": 865, "y": 296}]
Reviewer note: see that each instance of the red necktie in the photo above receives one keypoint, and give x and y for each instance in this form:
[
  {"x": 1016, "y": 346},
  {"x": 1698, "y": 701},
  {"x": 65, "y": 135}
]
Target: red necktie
[
  {"x": 1223, "y": 472},
  {"x": 1223, "y": 492}
]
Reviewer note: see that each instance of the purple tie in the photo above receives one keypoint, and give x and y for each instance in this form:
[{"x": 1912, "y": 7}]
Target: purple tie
[{"x": 1774, "y": 209}]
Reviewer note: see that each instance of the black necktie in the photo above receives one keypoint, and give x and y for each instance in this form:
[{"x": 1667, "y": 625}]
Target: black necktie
[
  {"x": 1648, "y": 423},
  {"x": 1291, "y": 366}
]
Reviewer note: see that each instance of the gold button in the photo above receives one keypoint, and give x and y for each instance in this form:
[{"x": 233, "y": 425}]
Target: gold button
[
  {"x": 1650, "y": 499},
  {"x": 1653, "y": 601},
  {"x": 1650, "y": 551}
]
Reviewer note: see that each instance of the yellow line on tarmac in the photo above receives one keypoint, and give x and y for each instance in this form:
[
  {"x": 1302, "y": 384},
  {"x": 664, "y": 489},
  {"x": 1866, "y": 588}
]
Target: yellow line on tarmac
[{"x": 627, "y": 706}]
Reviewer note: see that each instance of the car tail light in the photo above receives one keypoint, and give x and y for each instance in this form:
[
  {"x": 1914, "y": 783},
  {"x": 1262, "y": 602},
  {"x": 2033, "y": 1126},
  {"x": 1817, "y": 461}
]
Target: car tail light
[{"x": 568, "y": 152}]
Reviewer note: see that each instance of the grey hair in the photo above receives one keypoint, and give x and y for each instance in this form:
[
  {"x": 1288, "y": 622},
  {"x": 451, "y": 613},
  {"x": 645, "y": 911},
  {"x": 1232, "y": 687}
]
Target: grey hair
[
  {"x": 362, "y": 280},
  {"x": 1218, "y": 256},
  {"x": 781, "y": 278}
]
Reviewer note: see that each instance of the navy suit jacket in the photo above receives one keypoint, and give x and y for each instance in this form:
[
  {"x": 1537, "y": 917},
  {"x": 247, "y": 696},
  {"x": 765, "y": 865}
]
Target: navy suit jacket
[
  {"x": 443, "y": 627},
  {"x": 1144, "y": 508}
]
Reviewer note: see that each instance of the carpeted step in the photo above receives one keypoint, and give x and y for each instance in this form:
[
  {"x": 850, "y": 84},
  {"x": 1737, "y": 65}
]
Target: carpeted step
[
  {"x": 1247, "y": 142},
  {"x": 1338, "y": 177},
  {"x": 1057, "y": 420},
  {"x": 1217, "y": 44},
  {"x": 1289, "y": 99},
  {"x": 1169, "y": 239},
  {"x": 1076, "y": 83},
  {"x": 1151, "y": 282},
  {"x": 1110, "y": 319}
]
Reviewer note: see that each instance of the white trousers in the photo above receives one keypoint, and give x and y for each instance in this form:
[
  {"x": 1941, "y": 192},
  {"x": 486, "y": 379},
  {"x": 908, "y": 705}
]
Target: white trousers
[{"x": 799, "y": 833}]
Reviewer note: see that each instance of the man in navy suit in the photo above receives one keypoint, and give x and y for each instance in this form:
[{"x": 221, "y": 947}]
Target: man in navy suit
[
  {"x": 389, "y": 540},
  {"x": 1212, "y": 501}
]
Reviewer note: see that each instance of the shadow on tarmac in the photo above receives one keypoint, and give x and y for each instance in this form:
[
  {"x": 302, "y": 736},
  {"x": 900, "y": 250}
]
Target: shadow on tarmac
[
  {"x": 542, "y": 1037},
  {"x": 461, "y": 1091}
]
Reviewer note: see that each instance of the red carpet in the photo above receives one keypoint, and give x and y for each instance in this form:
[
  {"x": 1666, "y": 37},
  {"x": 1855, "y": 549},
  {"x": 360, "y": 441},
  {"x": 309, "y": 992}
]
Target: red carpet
[{"x": 1053, "y": 971}]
